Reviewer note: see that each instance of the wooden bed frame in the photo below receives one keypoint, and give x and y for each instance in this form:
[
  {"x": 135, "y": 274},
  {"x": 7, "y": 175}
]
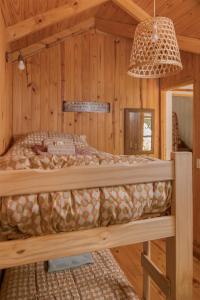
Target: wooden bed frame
[{"x": 177, "y": 228}]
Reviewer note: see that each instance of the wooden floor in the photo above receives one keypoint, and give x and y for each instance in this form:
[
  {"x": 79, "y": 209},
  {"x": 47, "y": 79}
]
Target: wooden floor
[{"x": 129, "y": 259}]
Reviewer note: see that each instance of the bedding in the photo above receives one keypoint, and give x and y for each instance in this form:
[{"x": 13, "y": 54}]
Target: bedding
[
  {"x": 45, "y": 213},
  {"x": 102, "y": 280}
]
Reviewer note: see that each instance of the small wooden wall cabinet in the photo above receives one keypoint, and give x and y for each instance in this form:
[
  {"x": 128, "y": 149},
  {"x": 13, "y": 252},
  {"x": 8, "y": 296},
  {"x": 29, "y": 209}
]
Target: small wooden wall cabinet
[{"x": 176, "y": 228}]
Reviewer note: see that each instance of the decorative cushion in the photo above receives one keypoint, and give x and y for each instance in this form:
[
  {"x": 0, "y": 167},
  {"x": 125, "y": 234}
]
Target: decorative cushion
[
  {"x": 70, "y": 262},
  {"x": 81, "y": 145},
  {"x": 59, "y": 149},
  {"x": 57, "y": 141},
  {"x": 60, "y": 146}
]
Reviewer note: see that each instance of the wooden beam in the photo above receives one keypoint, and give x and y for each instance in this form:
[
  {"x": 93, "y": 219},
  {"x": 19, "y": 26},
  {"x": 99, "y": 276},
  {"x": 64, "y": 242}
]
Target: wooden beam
[
  {"x": 132, "y": 9},
  {"x": 179, "y": 250},
  {"x": 189, "y": 44},
  {"x": 158, "y": 277},
  {"x": 115, "y": 28},
  {"x": 179, "y": 94},
  {"x": 18, "y": 252},
  {"x": 183, "y": 90},
  {"x": 50, "y": 17},
  {"x": 185, "y": 43},
  {"x": 53, "y": 39},
  {"x": 146, "y": 277},
  {"x": 106, "y": 26},
  {"x": 34, "y": 181}
]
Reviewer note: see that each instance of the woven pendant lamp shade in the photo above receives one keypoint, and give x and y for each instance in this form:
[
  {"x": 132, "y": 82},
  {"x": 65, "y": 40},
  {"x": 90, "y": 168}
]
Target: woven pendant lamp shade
[{"x": 155, "y": 59}]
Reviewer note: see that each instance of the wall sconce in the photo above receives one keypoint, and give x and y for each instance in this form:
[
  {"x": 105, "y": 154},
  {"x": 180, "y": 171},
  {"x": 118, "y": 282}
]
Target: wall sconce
[{"x": 21, "y": 62}]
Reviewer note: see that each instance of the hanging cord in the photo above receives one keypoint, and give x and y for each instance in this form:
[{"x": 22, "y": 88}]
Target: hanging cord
[
  {"x": 154, "y": 9},
  {"x": 155, "y": 23}
]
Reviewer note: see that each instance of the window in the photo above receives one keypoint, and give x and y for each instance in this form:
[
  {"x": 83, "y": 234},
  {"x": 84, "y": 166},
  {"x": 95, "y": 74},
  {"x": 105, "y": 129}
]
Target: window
[
  {"x": 138, "y": 137},
  {"x": 147, "y": 131}
]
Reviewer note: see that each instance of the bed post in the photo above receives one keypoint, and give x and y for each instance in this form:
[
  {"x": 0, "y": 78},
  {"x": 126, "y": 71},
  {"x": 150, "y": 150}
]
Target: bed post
[
  {"x": 179, "y": 249},
  {"x": 146, "y": 277}
]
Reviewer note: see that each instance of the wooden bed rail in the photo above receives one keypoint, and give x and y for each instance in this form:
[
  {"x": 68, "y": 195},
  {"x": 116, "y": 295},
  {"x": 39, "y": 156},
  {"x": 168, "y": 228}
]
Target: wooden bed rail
[
  {"x": 18, "y": 252},
  {"x": 177, "y": 228},
  {"x": 19, "y": 182}
]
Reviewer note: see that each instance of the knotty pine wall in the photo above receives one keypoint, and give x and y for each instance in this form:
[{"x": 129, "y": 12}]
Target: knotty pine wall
[
  {"x": 5, "y": 93},
  {"x": 92, "y": 66},
  {"x": 191, "y": 73}
]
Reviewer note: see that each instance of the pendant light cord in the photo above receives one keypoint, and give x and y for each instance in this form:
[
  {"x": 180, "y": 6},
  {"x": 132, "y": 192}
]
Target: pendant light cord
[{"x": 154, "y": 9}]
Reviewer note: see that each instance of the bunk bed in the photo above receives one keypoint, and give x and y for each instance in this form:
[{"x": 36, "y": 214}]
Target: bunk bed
[{"x": 176, "y": 228}]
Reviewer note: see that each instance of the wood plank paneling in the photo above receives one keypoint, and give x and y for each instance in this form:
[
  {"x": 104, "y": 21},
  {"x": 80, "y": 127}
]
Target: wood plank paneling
[
  {"x": 36, "y": 93},
  {"x": 190, "y": 73},
  {"x": 90, "y": 66},
  {"x": 5, "y": 92}
]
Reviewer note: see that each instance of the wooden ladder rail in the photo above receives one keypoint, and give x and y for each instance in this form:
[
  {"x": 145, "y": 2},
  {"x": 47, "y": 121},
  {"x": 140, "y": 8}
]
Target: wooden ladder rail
[{"x": 177, "y": 284}]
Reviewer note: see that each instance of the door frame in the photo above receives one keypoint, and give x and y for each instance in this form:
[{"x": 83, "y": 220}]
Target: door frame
[{"x": 165, "y": 96}]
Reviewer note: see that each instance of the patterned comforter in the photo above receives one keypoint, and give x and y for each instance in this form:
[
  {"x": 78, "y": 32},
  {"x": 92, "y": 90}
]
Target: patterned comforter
[
  {"x": 101, "y": 280},
  {"x": 45, "y": 213}
]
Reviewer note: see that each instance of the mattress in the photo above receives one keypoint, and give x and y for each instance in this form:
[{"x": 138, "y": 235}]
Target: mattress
[
  {"x": 102, "y": 280},
  {"x": 46, "y": 213}
]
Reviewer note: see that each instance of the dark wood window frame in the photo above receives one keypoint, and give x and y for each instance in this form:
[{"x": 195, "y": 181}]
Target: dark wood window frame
[{"x": 127, "y": 111}]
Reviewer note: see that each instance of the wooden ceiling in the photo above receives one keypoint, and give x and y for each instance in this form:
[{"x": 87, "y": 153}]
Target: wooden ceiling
[
  {"x": 184, "y": 13},
  {"x": 15, "y": 11}
]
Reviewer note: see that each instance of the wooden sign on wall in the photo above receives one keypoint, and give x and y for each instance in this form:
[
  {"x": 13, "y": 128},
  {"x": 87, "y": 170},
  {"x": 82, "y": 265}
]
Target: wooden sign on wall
[{"x": 80, "y": 106}]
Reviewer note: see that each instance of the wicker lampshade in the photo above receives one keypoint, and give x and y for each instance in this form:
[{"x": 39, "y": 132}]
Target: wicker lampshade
[{"x": 155, "y": 58}]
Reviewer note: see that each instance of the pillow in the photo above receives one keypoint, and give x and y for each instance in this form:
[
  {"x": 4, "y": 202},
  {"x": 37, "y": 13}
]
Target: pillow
[
  {"x": 80, "y": 140},
  {"x": 35, "y": 138},
  {"x": 65, "y": 149},
  {"x": 59, "y": 135},
  {"x": 70, "y": 262},
  {"x": 60, "y": 146},
  {"x": 58, "y": 141},
  {"x": 81, "y": 144}
]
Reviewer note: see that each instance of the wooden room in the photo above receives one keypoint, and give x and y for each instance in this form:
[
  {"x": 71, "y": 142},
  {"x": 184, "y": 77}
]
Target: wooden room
[{"x": 99, "y": 149}]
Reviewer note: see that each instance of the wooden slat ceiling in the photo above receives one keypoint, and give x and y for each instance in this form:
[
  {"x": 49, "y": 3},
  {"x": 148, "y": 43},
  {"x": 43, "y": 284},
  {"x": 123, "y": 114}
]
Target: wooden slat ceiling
[
  {"x": 184, "y": 13},
  {"x": 15, "y": 11}
]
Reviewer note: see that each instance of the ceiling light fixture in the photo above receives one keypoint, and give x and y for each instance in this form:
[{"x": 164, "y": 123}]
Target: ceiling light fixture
[
  {"x": 155, "y": 52},
  {"x": 21, "y": 62}
]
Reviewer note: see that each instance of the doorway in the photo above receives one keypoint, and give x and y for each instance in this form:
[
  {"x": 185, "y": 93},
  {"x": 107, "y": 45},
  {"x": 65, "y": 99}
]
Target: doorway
[{"x": 178, "y": 116}]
